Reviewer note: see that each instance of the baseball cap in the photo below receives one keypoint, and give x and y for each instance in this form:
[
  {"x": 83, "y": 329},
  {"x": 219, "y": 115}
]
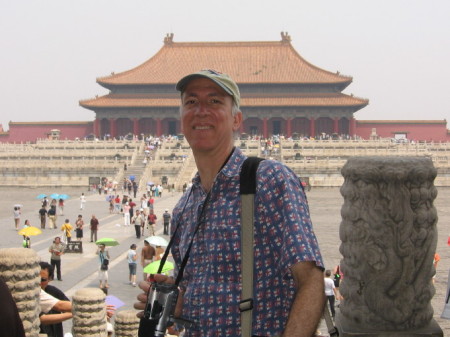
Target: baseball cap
[{"x": 222, "y": 80}]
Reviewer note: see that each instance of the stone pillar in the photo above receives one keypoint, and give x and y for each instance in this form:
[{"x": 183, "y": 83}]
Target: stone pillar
[
  {"x": 312, "y": 127},
  {"x": 136, "y": 126},
  {"x": 158, "y": 127},
  {"x": 126, "y": 324},
  {"x": 265, "y": 131},
  {"x": 96, "y": 128},
  {"x": 288, "y": 127},
  {"x": 89, "y": 313},
  {"x": 389, "y": 235},
  {"x": 19, "y": 268},
  {"x": 352, "y": 127},
  {"x": 113, "y": 127},
  {"x": 336, "y": 125}
]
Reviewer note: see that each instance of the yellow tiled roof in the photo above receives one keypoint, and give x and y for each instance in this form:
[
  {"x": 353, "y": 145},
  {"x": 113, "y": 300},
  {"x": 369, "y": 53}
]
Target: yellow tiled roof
[
  {"x": 116, "y": 101},
  {"x": 246, "y": 62}
]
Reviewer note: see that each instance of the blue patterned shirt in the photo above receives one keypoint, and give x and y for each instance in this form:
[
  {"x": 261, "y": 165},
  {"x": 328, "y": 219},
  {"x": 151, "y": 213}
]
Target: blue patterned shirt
[{"x": 212, "y": 277}]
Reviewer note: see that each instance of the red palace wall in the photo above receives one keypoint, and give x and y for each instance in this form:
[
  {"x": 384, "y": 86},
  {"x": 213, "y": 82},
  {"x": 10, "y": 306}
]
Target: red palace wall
[
  {"x": 415, "y": 130},
  {"x": 31, "y": 131}
]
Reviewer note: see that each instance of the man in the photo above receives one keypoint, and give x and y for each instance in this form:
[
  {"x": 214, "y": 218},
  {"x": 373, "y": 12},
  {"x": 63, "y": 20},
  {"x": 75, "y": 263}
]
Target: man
[
  {"x": 42, "y": 216},
  {"x": 152, "y": 221},
  {"x": 94, "y": 228},
  {"x": 166, "y": 221},
  {"x": 147, "y": 254},
  {"x": 52, "y": 217},
  {"x": 139, "y": 222},
  {"x": 56, "y": 250},
  {"x": 51, "y": 322},
  {"x": 288, "y": 294},
  {"x": 103, "y": 255}
]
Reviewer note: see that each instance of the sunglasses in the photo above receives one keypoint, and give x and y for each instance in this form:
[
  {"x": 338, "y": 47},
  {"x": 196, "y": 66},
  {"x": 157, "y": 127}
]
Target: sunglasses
[{"x": 44, "y": 279}]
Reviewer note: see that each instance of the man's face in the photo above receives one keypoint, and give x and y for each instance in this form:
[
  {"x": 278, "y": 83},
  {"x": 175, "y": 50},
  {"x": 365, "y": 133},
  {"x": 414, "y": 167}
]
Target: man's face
[
  {"x": 44, "y": 278},
  {"x": 206, "y": 117}
]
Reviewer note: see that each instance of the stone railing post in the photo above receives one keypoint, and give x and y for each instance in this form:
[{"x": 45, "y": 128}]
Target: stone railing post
[
  {"x": 89, "y": 313},
  {"x": 19, "y": 268},
  {"x": 389, "y": 235},
  {"x": 126, "y": 324}
]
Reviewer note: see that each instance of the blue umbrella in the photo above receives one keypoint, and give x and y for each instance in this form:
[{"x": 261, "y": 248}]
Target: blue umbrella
[
  {"x": 63, "y": 196},
  {"x": 41, "y": 196},
  {"x": 54, "y": 196},
  {"x": 109, "y": 197}
]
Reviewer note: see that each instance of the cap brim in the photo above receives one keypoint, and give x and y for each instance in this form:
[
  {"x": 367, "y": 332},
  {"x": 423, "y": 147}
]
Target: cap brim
[{"x": 181, "y": 85}]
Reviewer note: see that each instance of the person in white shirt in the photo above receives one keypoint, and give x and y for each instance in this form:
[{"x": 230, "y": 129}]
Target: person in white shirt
[
  {"x": 330, "y": 291},
  {"x": 132, "y": 258}
]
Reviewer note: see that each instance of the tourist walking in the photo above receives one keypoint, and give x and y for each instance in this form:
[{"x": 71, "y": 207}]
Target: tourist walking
[
  {"x": 67, "y": 231},
  {"x": 330, "y": 291},
  {"x": 42, "y": 216},
  {"x": 94, "y": 228},
  {"x": 52, "y": 217},
  {"x": 61, "y": 206},
  {"x": 147, "y": 254},
  {"x": 166, "y": 221},
  {"x": 56, "y": 250},
  {"x": 139, "y": 221},
  {"x": 16, "y": 214},
  {"x": 82, "y": 201},
  {"x": 104, "y": 258},
  {"x": 132, "y": 257},
  {"x": 126, "y": 214},
  {"x": 151, "y": 222},
  {"x": 79, "y": 224}
]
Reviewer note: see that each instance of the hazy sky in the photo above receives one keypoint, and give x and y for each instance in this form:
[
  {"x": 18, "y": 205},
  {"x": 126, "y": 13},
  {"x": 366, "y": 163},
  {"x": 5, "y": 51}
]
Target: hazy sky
[{"x": 52, "y": 51}]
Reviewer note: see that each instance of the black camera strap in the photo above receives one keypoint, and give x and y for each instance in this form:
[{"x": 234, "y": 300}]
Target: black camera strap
[{"x": 197, "y": 227}]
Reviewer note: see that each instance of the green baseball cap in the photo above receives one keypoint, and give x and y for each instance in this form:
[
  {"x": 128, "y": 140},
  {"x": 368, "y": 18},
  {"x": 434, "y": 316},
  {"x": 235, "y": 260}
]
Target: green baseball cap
[{"x": 222, "y": 80}]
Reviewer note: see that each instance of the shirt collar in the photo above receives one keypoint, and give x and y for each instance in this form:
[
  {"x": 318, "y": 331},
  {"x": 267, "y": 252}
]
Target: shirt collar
[{"x": 231, "y": 168}]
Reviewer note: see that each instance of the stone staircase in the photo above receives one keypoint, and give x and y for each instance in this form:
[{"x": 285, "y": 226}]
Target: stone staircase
[
  {"x": 137, "y": 168},
  {"x": 187, "y": 172}
]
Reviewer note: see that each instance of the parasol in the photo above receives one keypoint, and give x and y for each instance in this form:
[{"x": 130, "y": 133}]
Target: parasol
[
  {"x": 152, "y": 268},
  {"x": 63, "y": 196},
  {"x": 41, "y": 196},
  {"x": 107, "y": 242},
  {"x": 29, "y": 231},
  {"x": 157, "y": 241},
  {"x": 54, "y": 196}
]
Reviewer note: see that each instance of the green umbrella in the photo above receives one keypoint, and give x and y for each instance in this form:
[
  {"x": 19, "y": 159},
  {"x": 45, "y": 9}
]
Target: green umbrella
[
  {"x": 152, "y": 268},
  {"x": 107, "y": 242}
]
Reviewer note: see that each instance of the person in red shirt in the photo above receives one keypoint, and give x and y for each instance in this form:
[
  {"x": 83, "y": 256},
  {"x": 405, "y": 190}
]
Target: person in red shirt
[
  {"x": 94, "y": 228},
  {"x": 152, "y": 221}
]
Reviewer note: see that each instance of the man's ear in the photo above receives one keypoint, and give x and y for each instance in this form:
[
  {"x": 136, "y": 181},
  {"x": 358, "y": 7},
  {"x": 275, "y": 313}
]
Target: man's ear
[{"x": 237, "y": 121}]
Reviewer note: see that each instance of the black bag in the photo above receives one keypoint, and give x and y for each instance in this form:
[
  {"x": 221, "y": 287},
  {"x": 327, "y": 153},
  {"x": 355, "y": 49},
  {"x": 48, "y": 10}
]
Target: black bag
[{"x": 105, "y": 264}]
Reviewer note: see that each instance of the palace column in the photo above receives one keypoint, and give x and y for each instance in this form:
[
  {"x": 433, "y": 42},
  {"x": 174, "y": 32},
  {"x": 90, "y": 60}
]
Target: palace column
[
  {"x": 136, "y": 126},
  {"x": 312, "y": 127},
  {"x": 352, "y": 126},
  {"x": 288, "y": 127},
  {"x": 96, "y": 128},
  {"x": 265, "y": 133},
  {"x": 158, "y": 127},
  {"x": 336, "y": 125},
  {"x": 113, "y": 127}
]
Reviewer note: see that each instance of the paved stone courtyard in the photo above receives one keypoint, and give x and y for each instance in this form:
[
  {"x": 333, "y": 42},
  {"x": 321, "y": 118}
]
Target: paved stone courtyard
[{"x": 79, "y": 270}]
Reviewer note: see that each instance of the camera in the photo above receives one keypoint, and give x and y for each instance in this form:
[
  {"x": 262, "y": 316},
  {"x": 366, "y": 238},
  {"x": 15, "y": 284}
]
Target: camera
[{"x": 159, "y": 310}]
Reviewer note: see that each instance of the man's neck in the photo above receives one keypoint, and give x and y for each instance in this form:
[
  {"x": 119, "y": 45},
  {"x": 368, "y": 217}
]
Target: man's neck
[{"x": 209, "y": 165}]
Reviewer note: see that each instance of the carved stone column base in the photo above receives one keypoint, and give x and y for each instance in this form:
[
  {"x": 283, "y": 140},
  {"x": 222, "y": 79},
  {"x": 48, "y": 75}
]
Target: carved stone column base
[{"x": 349, "y": 329}]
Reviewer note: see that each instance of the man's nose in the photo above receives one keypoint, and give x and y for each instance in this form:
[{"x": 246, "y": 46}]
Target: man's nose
[{"x": 202, "y": 109}]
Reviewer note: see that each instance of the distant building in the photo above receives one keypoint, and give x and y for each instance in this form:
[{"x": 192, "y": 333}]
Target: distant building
[{"x": 281, "y": 93}]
